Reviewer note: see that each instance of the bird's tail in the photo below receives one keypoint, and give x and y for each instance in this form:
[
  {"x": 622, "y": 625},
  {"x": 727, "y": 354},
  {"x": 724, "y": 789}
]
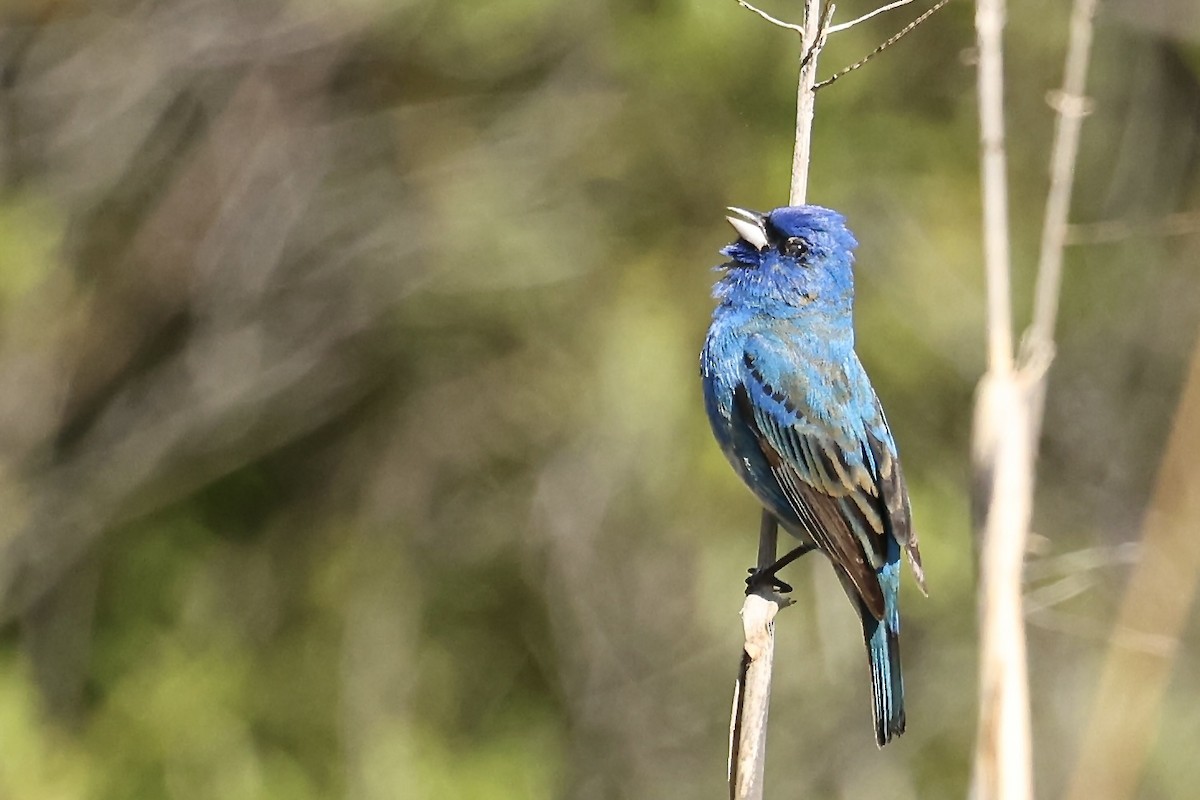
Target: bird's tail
[{"x": 887, "y": 685}]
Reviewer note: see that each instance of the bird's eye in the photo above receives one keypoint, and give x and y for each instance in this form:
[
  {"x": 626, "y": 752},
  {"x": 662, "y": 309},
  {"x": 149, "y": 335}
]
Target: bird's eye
[{"x": 794, "y": 247}]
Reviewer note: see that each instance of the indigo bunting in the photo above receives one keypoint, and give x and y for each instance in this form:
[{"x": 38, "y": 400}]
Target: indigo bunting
[{"x": 792, "y": 408}]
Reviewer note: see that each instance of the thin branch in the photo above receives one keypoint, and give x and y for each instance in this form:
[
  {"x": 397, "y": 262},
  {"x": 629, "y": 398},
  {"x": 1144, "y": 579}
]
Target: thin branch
[
  {"x": 748, "y": 725},
  {"x": 989, "y": 21},
  {"x": 822, "y": 36},
  {"x": 1038, "y": 344},
  {"x": 1072, "y": 107},
  {"x": 900, "y": 35},
  {"x": 1058, "y": 592},
  {"x": 1089, "y": 559},
  {"x": 777, "y": 22},
  {"x": 845, "y": 26},
  {"x": 805, "y": 102},
  {"x": 752, "y": 692}
]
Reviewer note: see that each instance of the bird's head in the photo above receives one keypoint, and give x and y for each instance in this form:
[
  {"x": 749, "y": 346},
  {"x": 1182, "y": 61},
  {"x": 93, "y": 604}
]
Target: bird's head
[{"x": 795, "y": 255}]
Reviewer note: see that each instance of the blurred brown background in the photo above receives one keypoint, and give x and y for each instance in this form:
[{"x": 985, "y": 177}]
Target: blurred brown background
[{"x": 351, "y": 442}]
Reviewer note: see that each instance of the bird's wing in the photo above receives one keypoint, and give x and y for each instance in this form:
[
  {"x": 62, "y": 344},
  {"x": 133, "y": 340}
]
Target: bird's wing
[
  {"x": 895, "y": 494},
  {"x": 829, "y": 450}
]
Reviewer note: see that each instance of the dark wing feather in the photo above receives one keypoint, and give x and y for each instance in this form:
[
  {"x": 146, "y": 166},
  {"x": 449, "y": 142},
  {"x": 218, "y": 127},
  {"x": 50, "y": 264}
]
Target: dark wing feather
[
  {"x": 895, "y": 498},
  {"x": 836, "y": 502}
]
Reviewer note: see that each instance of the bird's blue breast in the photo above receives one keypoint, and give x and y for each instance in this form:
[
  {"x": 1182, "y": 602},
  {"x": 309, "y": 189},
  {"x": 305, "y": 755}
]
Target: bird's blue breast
[
  {"x": 735, "y": 333},
  {"x": 719, "y": 371},
  {"x": 806, "y": 379}
]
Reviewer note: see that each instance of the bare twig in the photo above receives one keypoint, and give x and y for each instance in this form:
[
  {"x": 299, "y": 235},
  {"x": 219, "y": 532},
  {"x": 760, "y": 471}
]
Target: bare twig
[
  {"x": 845, "y": 26},
  {"x": 805, "y": 102},
  {"x": 989, "y": 21},
  {"x": 1089, "y": 559},
  {"x": 816, "y": 47},
  {"x": 899, "y": 35},
  {"x": 752, "y": 692},
  {"x": 1071, "y": 106},
  {"x": 748, "y": 726},
  {"x": 773, "y": 20}
]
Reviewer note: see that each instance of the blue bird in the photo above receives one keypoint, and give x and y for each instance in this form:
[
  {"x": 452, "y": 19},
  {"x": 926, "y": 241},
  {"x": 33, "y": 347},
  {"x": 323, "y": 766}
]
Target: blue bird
[{"x": 793, "y": 410}]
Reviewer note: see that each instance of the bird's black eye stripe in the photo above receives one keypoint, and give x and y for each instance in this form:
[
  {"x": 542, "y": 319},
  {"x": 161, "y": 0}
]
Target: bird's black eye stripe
[{"x": 793, "y": 247}]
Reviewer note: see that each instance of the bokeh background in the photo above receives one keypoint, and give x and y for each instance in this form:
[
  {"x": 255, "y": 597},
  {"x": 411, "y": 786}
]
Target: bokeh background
[{"x": 351, "y": 440}]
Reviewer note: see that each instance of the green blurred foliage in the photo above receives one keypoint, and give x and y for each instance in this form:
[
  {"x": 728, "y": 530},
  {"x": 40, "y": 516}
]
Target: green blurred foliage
[{"x": 351, "y": 442}]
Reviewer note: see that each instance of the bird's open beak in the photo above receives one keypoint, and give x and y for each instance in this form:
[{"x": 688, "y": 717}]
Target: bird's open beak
[{"x": 750, "y": 225}]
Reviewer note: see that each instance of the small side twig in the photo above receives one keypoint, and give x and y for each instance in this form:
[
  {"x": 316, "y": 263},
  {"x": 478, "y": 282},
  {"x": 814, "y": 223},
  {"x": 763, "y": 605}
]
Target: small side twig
[
  {"x": 907, "y": 29},
  {"x": 791, "y": 26},
  {"x": 1072, "y": 107},
  {"x": 845, "y": 26}
]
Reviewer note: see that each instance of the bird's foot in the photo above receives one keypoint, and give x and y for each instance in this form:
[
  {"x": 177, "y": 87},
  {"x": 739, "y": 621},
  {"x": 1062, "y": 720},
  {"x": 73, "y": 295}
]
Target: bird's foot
[{"x": 764, "y": 578}]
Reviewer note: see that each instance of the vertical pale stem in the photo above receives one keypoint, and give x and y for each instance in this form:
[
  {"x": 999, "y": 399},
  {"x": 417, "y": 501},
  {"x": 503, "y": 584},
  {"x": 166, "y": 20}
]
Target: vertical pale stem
[
  {"x": 989, "y": 23},
  {"x": 752, "y": 695},
  {"x": 1003, "y": 762},
  {"x": 1003, "y": 768},
  {"x": 748, "y": 727},
  {"x": 805, "y": 104},
  {"x": 1067, "y": 125}
]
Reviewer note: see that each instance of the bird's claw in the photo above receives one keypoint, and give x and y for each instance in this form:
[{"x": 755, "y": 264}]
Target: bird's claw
[{"x": 765, "y": 577}]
